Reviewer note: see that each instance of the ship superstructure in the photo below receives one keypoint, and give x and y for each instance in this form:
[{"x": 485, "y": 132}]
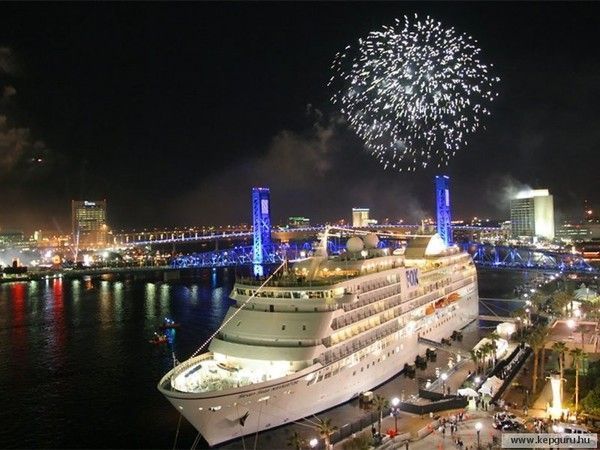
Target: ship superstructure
[{"x": 320, "y": 332}]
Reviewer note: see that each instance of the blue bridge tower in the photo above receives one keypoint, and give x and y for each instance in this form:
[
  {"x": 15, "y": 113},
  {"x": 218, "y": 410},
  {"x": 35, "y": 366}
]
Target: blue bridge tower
[
  {"x": 442, "y": 198},
  {"x": 261, "y": 221}
]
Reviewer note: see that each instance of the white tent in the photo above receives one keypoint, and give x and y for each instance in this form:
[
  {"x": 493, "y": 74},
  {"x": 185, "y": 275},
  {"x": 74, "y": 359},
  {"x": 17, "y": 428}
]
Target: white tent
[
  {"x": 467, "y": 392},
  {"x": 506, "y": 329},
  {"x": 491, "y": 386}
]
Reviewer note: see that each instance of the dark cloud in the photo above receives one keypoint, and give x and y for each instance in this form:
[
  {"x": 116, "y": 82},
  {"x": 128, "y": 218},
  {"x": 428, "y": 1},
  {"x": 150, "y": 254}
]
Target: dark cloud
[{"x": 307, "y": 170}]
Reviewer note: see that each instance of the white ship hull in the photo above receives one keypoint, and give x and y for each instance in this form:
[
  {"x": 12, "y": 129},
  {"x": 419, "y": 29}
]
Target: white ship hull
[{"x": 225, "y": 415}]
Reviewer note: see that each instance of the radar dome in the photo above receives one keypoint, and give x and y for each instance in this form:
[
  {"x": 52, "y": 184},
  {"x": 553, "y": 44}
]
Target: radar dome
[
  {"x": 355, "y": 244},
  {"x": 371, "y": 240}
]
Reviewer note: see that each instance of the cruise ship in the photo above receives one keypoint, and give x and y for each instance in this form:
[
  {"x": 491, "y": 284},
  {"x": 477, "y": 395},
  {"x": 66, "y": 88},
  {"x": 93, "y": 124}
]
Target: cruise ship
[{"x": 319, "y": 332}]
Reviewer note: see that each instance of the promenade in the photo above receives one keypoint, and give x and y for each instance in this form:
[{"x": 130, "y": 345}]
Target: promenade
[{"x": 399, "y": 386}]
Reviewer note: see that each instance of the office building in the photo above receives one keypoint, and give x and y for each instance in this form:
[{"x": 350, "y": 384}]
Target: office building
[
  {"x": 532, "y": 214},
  {"x": 360, "y": 217},
  {"x": 298, "y": 222},
  {"x": 89, "y": 223}
]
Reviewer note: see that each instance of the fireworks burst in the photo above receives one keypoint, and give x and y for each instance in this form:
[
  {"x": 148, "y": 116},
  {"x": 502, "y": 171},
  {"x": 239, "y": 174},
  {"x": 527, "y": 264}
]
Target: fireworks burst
[{"x": 413, "y": 92}]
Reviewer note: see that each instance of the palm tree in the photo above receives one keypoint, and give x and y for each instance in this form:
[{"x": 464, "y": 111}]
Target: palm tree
[
  {"x": 560, "y": 300},
  {"x": 578, "y": 357},
  {"x": 494, "y": 337},
  {"x": 380, "y": 403},
  {"x": 560, "y": 348},
  {"x": 537, "y": 300},
  {"x": 487, "y": 350},
  {"x": 534, "y": 340},
  {"x": 475, "y": 359},
  {"x": 521, "y": 316},
  {"x": 543, "y": 331},
  {"x": 326, "y": 429},
  {"x": 296, "y": 440}
]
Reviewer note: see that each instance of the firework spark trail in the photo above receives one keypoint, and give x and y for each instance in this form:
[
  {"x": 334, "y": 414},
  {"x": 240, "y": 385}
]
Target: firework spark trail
[{"x": 413, "y": 92}]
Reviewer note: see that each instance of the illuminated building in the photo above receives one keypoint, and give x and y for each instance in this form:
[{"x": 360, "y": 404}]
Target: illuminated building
[
  {"x": 89, "y": 223},
  {"x": 12, "y": 237},
  {"x": 532, "y": 214},
  {"x": 298, "y": 222},
  {"x": 360, "y": 217}
]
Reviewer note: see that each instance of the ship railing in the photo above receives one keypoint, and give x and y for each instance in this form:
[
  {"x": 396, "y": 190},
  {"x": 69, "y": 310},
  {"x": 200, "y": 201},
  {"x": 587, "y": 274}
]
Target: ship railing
[
  {"x": 359, "y": 343},
  {"x": 182, "y": 367},
  {"x": 369, "y": 310}
]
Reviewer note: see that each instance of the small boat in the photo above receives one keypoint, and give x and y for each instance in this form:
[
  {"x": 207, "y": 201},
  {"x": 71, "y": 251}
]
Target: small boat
[
  {"x": 158, "y": 339},
  {"x": 168, "y": 324}
]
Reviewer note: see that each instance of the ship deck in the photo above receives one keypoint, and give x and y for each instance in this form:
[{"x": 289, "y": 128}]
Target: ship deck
[{"x": 206, "y": 374}]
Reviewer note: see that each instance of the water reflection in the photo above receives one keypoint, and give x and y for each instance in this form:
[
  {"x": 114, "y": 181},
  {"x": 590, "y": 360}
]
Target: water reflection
[{"x": 62, "y": 338}]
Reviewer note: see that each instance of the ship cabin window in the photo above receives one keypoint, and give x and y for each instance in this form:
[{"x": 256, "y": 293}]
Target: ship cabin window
[
  {"x": 214, "y": 408},
  {"x": 296, "y": 294},
  {"x": 271, "y": 308},
  {"x": 287, "y": 295}
]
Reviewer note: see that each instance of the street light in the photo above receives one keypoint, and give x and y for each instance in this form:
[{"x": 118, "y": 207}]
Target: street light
[
  {"x": 395, "y": 412},
  {"x": 313, "y": 442},
  {"x": 478, "y": 428}
]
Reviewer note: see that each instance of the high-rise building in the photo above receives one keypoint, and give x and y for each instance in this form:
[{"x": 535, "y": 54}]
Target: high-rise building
[
  {"x": 298, "y": 222},
  {"x": 532, "y": 214},
  {"x": 360, "y": 217},
  {"x": 88, "y": 219}
]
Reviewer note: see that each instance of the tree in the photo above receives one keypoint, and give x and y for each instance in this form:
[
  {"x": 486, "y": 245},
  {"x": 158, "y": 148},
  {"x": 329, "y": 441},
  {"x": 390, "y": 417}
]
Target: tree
[
  {"x": 475, "y": 359},
  {"x": 537, "y": 300},
  {"x": 578, "y": 357},
  {"x": 543, "y": 331},
  {"x": 560, "y": 348},
  {"x": 591, "y": 402},
  {"x": 560, "y": 300},
  {"x": 380, "y": 403},
  {"x": 521, "y": 317},
  {"x": 494, "y": 337},
  {"x": 362, "y": 441},
  {"x": 296, "y": 440},
  {"x": 534, "y": 340},
  {"x": 326, "y": 429}
]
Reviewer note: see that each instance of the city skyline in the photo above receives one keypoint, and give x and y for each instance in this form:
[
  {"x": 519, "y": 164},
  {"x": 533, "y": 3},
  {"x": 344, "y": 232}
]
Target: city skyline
[{"x": 183, "y": 110}]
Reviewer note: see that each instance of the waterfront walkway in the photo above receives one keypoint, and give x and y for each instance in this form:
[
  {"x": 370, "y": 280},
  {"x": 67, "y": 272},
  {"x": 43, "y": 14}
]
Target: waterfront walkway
[{"x": 399, "y": 386}]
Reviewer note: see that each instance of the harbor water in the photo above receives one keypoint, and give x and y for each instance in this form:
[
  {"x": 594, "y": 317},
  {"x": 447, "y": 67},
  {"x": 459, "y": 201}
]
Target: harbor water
[{"x": 78, "y": 370}]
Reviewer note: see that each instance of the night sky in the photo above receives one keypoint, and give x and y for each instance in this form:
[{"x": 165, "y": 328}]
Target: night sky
[{"x": 172, "y": 112}]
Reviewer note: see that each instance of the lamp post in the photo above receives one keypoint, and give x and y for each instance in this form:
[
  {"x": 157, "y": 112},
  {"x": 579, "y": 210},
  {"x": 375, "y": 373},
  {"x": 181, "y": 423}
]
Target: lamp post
[
  {"x": 313, "y": 442},
  {"x": 444, "y": 377},
  {"x": 478, "y": 428},
  {"x": 571, "y": 325},
  {"x": 395, "y": 412}
]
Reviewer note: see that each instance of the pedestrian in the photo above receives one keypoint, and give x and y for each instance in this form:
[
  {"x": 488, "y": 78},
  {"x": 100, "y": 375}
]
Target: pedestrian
[{"x": 444, "y": 432}]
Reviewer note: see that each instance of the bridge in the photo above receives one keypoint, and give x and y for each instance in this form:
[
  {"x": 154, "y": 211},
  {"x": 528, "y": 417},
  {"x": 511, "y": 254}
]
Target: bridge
[
  {"x": 282, "y": 234},
  {"x": 529, "y": 258}
]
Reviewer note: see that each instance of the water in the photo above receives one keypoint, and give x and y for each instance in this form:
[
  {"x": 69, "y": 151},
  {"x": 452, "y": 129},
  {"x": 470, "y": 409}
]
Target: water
[{"x": 77, "y": 370}]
